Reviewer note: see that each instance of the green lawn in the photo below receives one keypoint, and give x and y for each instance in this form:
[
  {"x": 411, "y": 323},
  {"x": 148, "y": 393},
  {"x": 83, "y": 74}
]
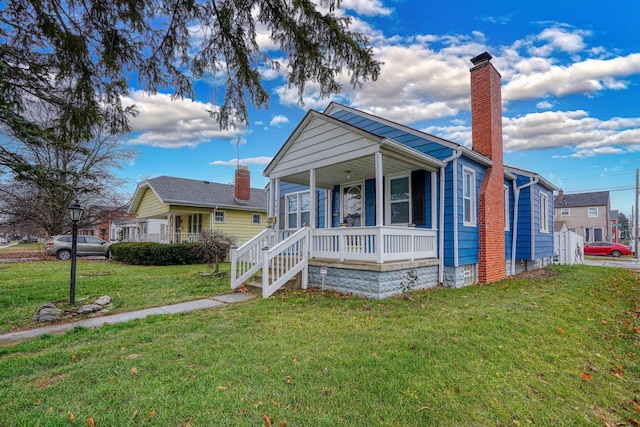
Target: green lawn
[
  {"x": 24, "y": 286},
  {"x": 559, "y": 349}
]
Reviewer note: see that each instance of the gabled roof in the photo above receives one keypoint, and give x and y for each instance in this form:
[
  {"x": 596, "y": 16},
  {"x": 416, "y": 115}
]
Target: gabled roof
[
  {"x": 195, "y": 193},
  {"x": 509, "y": 170},
  {"x": 596, "y": 198},
  {"x": 335, "y": 107}
]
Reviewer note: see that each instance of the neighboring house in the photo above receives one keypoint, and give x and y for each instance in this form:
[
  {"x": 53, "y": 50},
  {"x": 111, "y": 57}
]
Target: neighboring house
[
  {"x": 614, "y": 218},
  {"x": 103, "y": 222},
  {"x": 586, "y": 214},
  {"x": 380, "y": 207},
  {"x": 143, "y": 230},
  {"x": 190, "y": 207}
]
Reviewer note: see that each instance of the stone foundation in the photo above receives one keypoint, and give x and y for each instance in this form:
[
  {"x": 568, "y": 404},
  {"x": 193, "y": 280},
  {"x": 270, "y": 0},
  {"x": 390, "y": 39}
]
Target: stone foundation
[{"x": 374, "y": 280}]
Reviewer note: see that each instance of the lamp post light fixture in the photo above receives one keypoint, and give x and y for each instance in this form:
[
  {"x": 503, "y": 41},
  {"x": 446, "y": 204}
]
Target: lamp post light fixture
[{"x": 75, "y": 212}]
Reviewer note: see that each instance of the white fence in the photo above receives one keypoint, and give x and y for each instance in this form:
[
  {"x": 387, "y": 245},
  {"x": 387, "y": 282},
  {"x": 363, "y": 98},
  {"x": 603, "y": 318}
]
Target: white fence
[{"x": 568, "y": 248}]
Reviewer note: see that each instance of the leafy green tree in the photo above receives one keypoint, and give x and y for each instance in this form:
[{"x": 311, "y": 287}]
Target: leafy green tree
[{"x": 76, "y": 57}]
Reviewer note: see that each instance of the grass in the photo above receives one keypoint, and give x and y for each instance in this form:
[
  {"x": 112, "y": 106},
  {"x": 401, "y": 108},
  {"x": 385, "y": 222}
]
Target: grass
[
  {"x": 24, "y": 286},
  {"x": 557, "y": 349}
]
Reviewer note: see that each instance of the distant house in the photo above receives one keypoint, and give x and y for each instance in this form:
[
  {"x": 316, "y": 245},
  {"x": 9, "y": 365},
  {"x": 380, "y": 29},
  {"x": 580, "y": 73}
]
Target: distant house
[
  {"x": 192, "y": 206},
  {"x": 586, "y": 214},
  {"x": 368, "y": 206}
]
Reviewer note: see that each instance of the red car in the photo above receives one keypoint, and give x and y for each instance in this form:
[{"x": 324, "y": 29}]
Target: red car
[{"x": 606, "y": 248}]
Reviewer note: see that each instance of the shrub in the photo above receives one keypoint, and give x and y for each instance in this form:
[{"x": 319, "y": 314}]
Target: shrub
[{"x": 157, "y": 253}]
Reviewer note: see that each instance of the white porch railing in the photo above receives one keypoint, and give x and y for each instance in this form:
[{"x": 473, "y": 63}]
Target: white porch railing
[
  {"x": 374, "y": 244},
  {"x": 281, "y": 255},
  {"x": 247, "y": 259}
]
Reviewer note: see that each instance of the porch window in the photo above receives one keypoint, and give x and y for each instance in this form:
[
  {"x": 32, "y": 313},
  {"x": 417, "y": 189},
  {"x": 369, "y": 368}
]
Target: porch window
[
  {"x": 195, "y": 223},
  {"x": 218, "y": 216},
  {"x": 469, "y": 197},
  {"x": 298, "y": 210},
  {"x": 399, "y": 200},
  {"x": 544, "y": 213}
]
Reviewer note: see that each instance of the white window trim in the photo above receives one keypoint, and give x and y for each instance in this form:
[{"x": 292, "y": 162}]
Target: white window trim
[
  {"x": 387, "y": 201},
  {"x": 298, "y": 194},
  {"x": 589, "y": 212},
  {"x": 507, "y": 210},
  {"x": 224, "y": 217},
  {"x": 259, "y": 215},
  {"x": 565, "y": 212},
  {"x": 544, "y": 213},
  {"x": 473, "y": 222}
]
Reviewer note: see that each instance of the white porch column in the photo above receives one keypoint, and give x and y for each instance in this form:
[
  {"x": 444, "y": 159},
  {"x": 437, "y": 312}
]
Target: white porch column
[
  {"x": 275, "y": 200},
  {"x": 379, "y": 194},
  {"x": 314, "y": 202}
]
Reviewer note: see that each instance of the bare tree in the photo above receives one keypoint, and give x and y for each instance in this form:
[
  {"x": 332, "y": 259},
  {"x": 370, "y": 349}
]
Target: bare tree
[{"x": 55, "y": 174}]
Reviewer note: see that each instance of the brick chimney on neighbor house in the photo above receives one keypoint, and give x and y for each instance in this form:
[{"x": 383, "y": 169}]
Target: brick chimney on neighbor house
[
  {"x": 486, "y": 131},
  {"x": 243, "y": 184}
]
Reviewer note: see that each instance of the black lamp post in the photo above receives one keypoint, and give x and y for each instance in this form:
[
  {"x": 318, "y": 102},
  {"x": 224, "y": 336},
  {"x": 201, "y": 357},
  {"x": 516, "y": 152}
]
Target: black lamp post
[{"x": 75, "y": 211}]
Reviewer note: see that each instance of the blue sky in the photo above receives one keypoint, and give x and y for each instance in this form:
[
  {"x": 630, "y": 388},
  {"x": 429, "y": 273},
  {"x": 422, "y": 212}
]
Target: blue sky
[{"x": 570, "y": 88}]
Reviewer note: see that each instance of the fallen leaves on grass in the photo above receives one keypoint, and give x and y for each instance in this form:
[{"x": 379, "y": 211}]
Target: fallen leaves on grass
[{"x": 586, "y": 376}]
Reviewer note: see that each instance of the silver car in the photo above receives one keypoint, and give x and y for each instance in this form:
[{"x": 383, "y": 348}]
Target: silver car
[{"x": 60, "y": 246}]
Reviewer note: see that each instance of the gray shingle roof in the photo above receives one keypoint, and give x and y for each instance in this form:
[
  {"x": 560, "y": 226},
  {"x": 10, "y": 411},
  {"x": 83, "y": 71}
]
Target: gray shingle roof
[
  {"x": 191, "y": 192},
  {"x": 596, "y": 198}
]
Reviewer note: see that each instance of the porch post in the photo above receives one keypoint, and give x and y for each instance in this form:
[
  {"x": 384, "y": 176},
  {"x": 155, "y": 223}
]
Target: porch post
[
  {"x": 313, "y": 197},
  {"x": 275, "y": 199},
  {"x": 379, "y": 194}
]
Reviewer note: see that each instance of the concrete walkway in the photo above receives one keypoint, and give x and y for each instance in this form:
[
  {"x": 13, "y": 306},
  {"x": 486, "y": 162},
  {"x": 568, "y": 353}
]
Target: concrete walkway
[{"x": 94, "y": 322}]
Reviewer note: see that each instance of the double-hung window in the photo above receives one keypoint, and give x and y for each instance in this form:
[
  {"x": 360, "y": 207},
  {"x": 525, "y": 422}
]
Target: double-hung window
[
  {"x": 399, "y": 204},
  {"x": 469, "y": 197},
  {"x": 298, "y": 210},
  {"x": 544, "y": 213}
]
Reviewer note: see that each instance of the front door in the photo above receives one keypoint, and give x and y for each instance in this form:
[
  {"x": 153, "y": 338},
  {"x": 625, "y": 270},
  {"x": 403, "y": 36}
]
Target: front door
[{"x": 352, "y": 207}]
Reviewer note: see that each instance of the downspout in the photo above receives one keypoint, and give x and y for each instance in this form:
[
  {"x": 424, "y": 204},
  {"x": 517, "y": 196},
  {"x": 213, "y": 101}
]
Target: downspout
[
  {"x": 516, "y": 200},
  {"x": 456, "y": 153}
]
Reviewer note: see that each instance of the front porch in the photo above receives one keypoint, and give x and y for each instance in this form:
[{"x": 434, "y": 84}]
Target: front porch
[{"x": 374, "y": 262}]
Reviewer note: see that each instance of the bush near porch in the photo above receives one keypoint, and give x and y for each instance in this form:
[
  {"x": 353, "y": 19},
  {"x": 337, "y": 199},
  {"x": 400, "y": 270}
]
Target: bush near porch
[{"x": 557, "y": 347}]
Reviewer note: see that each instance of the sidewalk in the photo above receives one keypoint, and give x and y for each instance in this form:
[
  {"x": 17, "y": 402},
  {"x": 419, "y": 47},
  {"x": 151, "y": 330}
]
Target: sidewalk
[{"x": 94, "y": 322}]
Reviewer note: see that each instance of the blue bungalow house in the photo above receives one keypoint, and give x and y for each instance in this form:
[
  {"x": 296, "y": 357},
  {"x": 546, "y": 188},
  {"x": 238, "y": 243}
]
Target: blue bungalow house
[{"x": 360, "y": 204}]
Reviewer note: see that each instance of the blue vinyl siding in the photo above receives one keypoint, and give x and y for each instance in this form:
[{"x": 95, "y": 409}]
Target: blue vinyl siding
[
  {"x": 508, "y": 233},
  {"x": 468, "y": 235},
  {"x": 543, "y": 241},
  {"x": 370, "y": 202},
  {"x": 525, "y": 212},
  {"x": 335, "y": 207}
]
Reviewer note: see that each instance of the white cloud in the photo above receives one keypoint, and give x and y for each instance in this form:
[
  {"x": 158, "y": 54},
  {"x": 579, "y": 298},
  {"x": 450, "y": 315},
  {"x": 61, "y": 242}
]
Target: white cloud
[
  {"x": 261, "y": 160},
  {"x": 167, "y": 123},
  {"x": 544, "y": 105},
  {"x": 366, "y": 7},
  {"x": 278, "y": 120}
]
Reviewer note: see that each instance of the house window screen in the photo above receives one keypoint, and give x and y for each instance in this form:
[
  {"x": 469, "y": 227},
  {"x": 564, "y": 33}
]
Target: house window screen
[
  {"x": 218, "y": 216},
  {"x": 544, "y": 213},
  {"x": 298, "y": 210},
  {"x": 400, "y": 201},
  {"x": 469, "y": 197}
]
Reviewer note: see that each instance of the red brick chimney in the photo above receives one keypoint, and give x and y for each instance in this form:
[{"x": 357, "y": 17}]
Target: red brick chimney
[
  {"x": 486, "y": 131},
  {"x": 243, "y": 184},
  {"x": 560, "y": 195}
]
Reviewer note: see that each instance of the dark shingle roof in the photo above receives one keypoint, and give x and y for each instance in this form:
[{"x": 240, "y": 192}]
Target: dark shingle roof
[
  {"x": 597, "y": 198},
  {"x": 191, "y": 192}
]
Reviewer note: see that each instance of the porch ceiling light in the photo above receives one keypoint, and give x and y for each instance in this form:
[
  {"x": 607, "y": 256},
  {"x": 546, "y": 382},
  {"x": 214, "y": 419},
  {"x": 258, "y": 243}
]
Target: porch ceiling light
[{"x": 348, "y": 174}]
